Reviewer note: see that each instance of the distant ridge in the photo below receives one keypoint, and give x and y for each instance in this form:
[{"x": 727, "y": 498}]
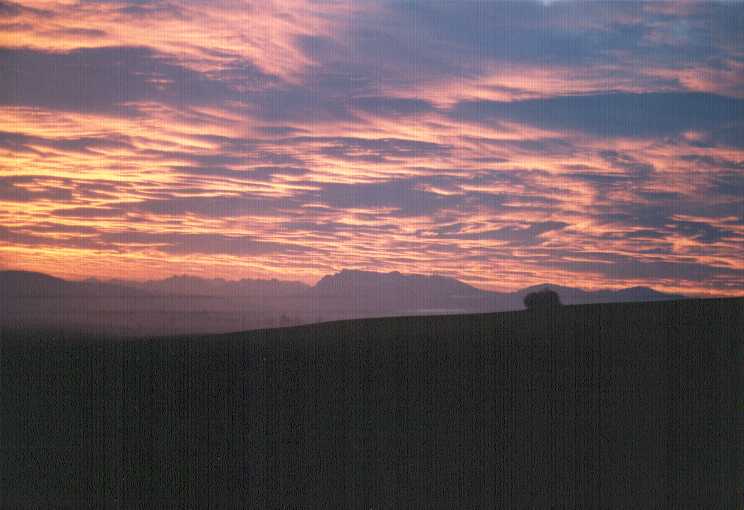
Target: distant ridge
[
  {"x": 189, "y": 304},
  {"x": 351, "y": 281},
  {"x": 571, "y": 295},
  {"x": 347, "y": 283},
  {"x": 32, "y": 284},
  {"x": 184, "y": 285}
]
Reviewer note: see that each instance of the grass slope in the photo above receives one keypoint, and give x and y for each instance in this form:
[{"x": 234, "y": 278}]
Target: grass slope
[{"x": 597, "y": 406}]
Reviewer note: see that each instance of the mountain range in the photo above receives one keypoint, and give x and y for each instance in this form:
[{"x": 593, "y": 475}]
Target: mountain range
[
  {"x": 185, "y": 285},
  {"x": 186, "y": 304},
  {"x": 346, "y": 284},
  {"x": 27, "y": 284}
]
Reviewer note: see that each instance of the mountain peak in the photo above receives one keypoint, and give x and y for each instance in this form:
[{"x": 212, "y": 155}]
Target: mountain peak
[{"x": 354, "y": 282}]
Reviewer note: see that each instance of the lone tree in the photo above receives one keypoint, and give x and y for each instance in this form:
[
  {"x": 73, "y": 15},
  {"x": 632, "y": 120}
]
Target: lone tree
[{"x": 542, "y": 299}]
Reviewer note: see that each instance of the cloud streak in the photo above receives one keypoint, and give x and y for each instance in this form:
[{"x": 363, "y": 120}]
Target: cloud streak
[{"x": 504, "y": 144}]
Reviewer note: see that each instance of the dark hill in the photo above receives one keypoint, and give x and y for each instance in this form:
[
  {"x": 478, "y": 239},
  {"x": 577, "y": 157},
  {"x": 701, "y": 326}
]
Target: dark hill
[
  {"x": 575, "y": 296},
  {"x": 600, "y": 406}
]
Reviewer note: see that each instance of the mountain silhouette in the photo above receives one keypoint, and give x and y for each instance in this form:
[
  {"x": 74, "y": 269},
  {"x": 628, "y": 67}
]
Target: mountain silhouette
[
  {"x": 184, "y": 285},
  {"x": 576, "y": 296},
  {"x": 190, "y": 304},
  {"x": 351, "y": 282},
  {"x": 395, "y": 285},
  {"x": 32, "y": 284},
  {"x": 346, "y": 283}
]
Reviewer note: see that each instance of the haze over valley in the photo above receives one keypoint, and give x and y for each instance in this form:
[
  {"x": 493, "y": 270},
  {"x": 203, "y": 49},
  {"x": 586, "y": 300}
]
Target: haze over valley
[{"x": 188, "y": 304}]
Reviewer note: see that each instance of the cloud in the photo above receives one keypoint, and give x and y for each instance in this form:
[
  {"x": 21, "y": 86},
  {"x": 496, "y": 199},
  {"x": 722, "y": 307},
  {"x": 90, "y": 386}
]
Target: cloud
[
  {"x": 106, "y": 80},
  {"x": 186, "y": 243},
  {"x": 23, "y": 189},
  {"x": 654, "y": 114},
  {"x": 630, "y": 268},
  {"x": 19, "y": 142},
  {"x": 399, "y": 198},
  {"x": 218, "y": 206},
  {"x": 14, "y": 9},
  {"x": 515, "y": 235},
  {"x": 702, "y": 232},
  {"x": 375, "y": 150},
  {"x": 729, "y": 183},
  {"x": 89, "y": 212},
  {"x": 392, "y": 106},
  {"x": 503, "y": 143}
]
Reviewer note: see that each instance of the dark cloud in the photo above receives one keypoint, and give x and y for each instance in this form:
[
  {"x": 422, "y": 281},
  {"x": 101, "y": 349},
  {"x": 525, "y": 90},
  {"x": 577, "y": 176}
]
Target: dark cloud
[
  {"x": 331, "y": 229},
  {"x": 629, "y": 165},
  {"x": 280, "y": 130},
  {"x": 712, "y": 162},
  {"x": 645, "y": 234},
  {"x": 621, "y": 114},
  {"x": 619, "y": 39},
  {"x": 103, "y": 80},
  {"x": 697, "y": 231},
  {"x": 231, "y": 155},
  {"x": 14, "y": 189},
  {"x": 10, "y": 9},
  {"x": 185, "y": 243},
  {"x": 728, "y": 136},
  {"x": 268, "y": 172},
  {"x": 88, "y": 33},
  {"x": 19, "y": 142},
  {"x": 658, "y": 196},
  {"x": 220, "y": 206},
  {"x": 548, "y": 146},
  {"x": 729, "y": 184},
  {"x": 14, "y": 236},
  {"x": 516, "y": 235},
  {"x": 372, "y": 150},
  {"x": 138, "y": 8},
  {"x": 89, "y": 212},
  {"x": 380, "y": 151},
  {"x": 629, "y": 268},
  {"x": 403, "y": 197},
  {"x": 489, "y": 159},
  {"x": 392, "y": 106},
  {"x": 292, "y": 103},
  {"x": 51, "y": 227},
  {"x": 14, "y": 9},
  {"x": 260, "y": 173},
  {"x": 400, "y": 44},
  {"x": 172, "y": 243},
  {"x": 601, "y": 181},
  {"x": 701, "y": 232}
]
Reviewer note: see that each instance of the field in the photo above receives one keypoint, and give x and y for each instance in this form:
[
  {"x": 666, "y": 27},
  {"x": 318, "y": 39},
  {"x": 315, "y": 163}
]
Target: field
[{"x": 595, "y": 406}]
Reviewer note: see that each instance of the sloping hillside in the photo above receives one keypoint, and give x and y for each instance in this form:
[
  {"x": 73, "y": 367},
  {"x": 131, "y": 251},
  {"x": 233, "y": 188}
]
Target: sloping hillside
[{"x": 598, "y": 406}]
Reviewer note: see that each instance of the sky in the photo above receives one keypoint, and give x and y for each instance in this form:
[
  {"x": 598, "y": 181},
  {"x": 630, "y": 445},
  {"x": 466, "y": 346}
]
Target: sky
[{"x": 588, "y": 144}]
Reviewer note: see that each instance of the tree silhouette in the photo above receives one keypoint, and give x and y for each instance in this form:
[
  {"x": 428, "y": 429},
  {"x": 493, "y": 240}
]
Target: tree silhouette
[{"x": 542, "y": 299}]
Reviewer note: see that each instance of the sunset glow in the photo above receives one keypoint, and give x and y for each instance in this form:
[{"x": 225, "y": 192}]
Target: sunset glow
[{"x": 503, "y": 144}]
